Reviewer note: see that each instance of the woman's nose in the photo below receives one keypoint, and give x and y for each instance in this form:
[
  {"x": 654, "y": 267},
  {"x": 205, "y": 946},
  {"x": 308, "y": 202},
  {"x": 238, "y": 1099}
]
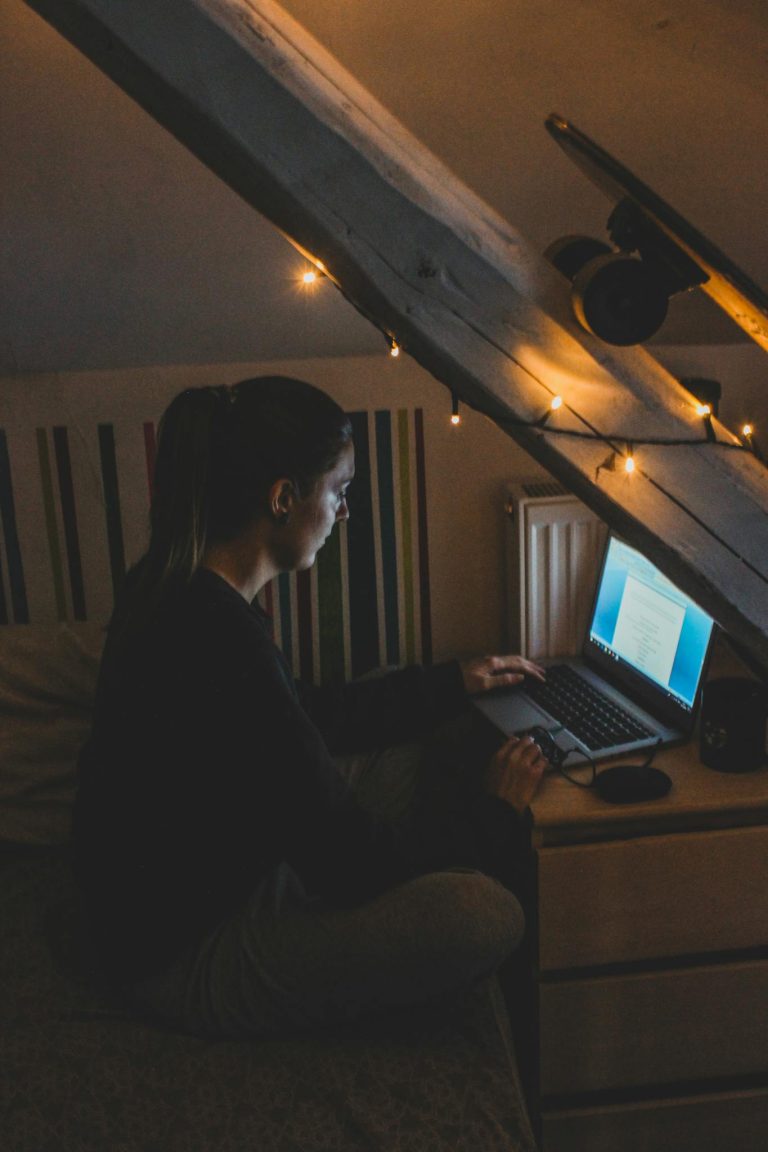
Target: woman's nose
[{"x": 343, "y": 512}]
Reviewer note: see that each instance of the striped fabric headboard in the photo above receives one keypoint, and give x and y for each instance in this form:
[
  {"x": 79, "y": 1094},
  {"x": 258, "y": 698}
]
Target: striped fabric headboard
[{"x": 74, "y": 507}]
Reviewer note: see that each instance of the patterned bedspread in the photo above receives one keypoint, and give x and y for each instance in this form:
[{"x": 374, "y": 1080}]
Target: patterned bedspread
[{"x": 79, "y": 1074}]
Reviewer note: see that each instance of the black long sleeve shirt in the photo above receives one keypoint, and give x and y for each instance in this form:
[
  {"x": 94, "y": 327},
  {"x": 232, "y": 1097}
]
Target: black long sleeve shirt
[{"x": 207, "y": 766}]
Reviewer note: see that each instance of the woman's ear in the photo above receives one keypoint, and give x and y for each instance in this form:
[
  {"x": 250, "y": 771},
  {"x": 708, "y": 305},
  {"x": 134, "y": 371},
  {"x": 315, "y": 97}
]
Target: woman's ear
[{"x": 281, "y": 499}]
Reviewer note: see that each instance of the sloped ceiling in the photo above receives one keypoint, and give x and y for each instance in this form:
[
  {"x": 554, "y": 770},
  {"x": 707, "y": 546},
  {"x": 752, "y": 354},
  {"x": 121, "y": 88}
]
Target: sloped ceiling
[{"x": 119, "y": 248}]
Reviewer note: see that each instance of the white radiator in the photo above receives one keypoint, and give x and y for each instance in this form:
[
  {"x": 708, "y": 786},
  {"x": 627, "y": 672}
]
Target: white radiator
[{"x": 555, "y": 544}]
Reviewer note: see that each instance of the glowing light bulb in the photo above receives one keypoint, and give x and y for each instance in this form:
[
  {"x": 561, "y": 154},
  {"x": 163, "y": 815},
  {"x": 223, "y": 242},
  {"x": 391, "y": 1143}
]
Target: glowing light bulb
[
  {"x": 629, "y": 464},
  {"x": 704, "y": 409},
  {"x": 747, "y": 430},
  {"x": 310, "y": 276},
  {"x": 555, "y": 403},
  {"x": 394, "y": 349},
  {"x": 455, "y": 418}
]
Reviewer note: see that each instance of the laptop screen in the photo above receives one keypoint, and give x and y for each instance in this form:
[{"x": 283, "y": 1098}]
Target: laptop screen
[{"x": 643, "y": 620}]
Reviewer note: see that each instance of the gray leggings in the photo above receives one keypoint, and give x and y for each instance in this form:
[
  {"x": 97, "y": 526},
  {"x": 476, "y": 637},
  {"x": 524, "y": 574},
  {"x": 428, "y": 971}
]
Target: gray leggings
[{"x": 288, "y": 961}]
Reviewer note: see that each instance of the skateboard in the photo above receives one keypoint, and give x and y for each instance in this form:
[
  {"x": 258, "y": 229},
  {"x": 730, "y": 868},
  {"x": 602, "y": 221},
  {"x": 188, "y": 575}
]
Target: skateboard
[{"x": 623, "y": 298}]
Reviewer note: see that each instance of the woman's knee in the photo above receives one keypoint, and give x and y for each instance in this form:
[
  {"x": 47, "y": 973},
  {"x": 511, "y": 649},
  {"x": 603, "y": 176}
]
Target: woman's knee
[
  {"x": 482, "y": 921},
  {"x": 438, "y": 932}
]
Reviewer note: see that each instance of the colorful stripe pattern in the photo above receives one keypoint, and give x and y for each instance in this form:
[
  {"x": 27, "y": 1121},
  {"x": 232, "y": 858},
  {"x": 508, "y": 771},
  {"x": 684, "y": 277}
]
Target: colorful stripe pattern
[
  {"x": 76, "y": 500},
  {"x": 15, "y": 567},
  {"x": 366, "y": 602},
  {"x": 112, "y": 504}
]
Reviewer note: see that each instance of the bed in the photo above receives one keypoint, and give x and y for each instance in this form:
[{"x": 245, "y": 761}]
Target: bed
[{"x": 80, "y": 1072}]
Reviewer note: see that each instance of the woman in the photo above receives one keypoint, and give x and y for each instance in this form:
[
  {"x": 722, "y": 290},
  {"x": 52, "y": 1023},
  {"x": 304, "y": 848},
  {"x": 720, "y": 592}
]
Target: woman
[{"x": 233, "y": 882}]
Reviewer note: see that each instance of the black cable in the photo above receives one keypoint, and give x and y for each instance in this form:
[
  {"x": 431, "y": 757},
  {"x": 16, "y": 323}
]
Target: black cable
[
  {"x": 571, "y": 779},
  {"x": 593, "y": 777}
]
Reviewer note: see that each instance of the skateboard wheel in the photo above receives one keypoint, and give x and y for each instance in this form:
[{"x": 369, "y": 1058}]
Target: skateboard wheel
[
  {"x": 569, "y": 254},
  {"x": 620, "y": 299}
]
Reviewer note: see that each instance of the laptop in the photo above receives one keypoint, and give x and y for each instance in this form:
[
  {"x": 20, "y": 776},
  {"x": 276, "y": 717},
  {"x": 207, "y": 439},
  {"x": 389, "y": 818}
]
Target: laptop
[{"x": 638, "y": 680}]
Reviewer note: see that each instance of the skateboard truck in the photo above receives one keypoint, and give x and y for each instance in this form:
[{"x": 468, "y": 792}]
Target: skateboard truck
[{"x": 621, "y": 297}]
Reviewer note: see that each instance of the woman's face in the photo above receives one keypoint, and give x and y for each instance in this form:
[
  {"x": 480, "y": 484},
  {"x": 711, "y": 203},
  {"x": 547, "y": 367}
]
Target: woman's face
[{"x": 312, "y": 517}]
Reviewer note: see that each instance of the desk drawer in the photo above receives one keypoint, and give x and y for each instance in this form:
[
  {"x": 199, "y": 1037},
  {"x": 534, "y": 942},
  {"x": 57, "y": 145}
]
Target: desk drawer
[
  {"x": 727, "y": 1122},
  {"x": 654, "y": 896},
  {"x": 654, "y": 1028}
]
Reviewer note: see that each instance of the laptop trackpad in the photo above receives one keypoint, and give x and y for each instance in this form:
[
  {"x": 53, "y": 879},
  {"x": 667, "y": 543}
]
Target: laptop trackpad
[{"x": 512, "y": 712}]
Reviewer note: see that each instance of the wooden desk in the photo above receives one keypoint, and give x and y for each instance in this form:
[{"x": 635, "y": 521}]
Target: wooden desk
[{"x": 652, "y": 967}]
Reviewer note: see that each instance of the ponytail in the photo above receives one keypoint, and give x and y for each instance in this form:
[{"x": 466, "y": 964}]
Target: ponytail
[
  {"x": 179, "y": 512},
  {"x": 180, "y": 509},
  {"x": 218, "y": 451}
]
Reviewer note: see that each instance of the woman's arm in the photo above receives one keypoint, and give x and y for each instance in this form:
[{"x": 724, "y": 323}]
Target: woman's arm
[
  {"x": 382, "y": 710},
  {"x": 387, "y": 709}
]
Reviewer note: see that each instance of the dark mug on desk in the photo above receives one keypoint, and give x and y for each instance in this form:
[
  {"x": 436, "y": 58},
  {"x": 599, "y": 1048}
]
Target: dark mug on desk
[{"x": 734, "y": 711}]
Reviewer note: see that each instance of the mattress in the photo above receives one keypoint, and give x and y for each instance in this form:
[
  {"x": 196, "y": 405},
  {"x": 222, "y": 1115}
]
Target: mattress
[{"x": 82, "y": 1073}]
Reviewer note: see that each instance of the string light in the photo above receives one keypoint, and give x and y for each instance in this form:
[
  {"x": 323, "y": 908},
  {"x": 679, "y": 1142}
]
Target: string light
[
  {"x": 609, "y": 464},
  {"x": 313, "y": 272},
  {"x": 748, "y": 432},
  {"x": 609, "y": 437},
  {"x": 704, "y": 410},
  {"x": 555, "y": 403}
]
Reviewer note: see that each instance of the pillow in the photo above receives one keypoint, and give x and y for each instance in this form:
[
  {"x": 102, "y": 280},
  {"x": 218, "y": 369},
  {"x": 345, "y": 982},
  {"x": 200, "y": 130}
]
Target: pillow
[{"x": 47, "y": 685}]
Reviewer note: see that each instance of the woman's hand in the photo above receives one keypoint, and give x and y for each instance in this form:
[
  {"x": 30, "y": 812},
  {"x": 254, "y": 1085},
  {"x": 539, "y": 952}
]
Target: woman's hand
[
  {"x": 483, "y": 673},
  {"x": 515, "y": 772}
]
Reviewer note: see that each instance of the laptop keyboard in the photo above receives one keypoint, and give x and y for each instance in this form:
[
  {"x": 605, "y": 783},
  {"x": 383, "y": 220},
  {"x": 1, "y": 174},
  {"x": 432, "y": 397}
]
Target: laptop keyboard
[{"x": 583, "y": 710}]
